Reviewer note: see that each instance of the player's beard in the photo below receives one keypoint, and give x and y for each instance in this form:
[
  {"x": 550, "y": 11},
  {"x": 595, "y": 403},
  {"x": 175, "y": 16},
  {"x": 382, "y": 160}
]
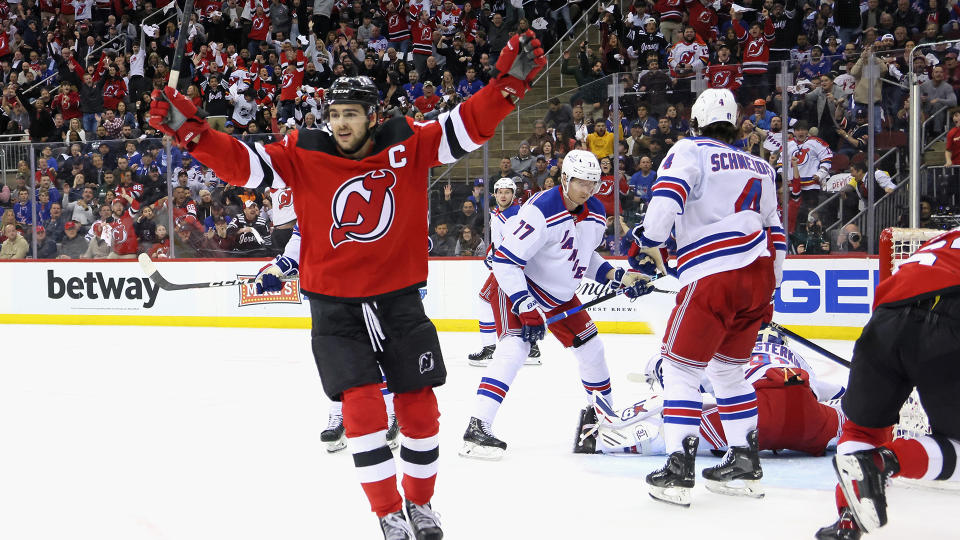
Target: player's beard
[{"x": 356, "y": 148}]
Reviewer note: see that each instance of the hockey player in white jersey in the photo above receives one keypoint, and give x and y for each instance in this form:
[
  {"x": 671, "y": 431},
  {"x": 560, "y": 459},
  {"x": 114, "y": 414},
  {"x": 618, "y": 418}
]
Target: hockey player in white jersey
[
  {"x": 721, "y": 202},
  {"x": 504, "y": 192},
  {"x": 796, "y": 409},
  {"x": 269, "y": 279},
  {"x": 814, "y": 159},
  {"x": 548, "y": 248}
]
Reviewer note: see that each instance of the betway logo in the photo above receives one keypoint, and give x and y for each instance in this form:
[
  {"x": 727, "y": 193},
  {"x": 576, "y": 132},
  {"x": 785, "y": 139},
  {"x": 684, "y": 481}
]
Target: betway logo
[{"x": 95, "y": 287}]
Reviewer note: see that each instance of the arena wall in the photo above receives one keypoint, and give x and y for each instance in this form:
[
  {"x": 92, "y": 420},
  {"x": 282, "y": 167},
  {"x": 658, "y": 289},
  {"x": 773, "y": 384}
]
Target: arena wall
[{"x": 820, "y": 297}]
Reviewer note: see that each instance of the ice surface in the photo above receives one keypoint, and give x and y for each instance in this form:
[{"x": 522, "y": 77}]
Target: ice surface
[{"x": 130, "y": 433}]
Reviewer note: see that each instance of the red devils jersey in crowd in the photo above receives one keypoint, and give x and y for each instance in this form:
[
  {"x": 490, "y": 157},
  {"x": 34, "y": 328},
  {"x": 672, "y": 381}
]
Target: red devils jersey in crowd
[
  {"x": 605, "y": 193},
  {"x": 670, "y": 10},
  {"x": 729, "y": 76},
  {"x": 124, "y": 235},
  {"x": 259, "y": 27},
  {"x": 422, "y": 35},
  {"x": 703, "y": 19},
  {"x": 265, "y": 91},
  {"x": 932, "y": 270},
  {"x": 360, "y": 214},
  {"x": 397, "y": 27},
  {"x": 291, "y": 81},
  {"x": 4, "y": 44},
  {"x": 113, "y": 92},
  {"x": 756, "y": 51}
]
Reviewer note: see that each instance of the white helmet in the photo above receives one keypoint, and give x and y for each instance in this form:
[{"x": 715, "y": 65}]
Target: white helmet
[
  {"x": 714, "y": 105},
  {"x": 505, "y": 183},
  {"x": 584, "y": 165}
]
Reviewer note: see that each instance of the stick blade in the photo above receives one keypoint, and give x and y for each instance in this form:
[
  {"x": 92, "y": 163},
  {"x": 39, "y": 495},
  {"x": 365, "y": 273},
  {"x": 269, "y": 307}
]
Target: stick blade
[{"x": 150, "y": 269}]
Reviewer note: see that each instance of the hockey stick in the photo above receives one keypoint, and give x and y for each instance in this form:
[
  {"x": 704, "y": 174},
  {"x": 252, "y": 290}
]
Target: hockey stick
[
  {"x": 150, "y": 269},
  {"x": 181, "y": 45},
  {"x": 809, "y": 344},
  {"x": 595, "y": 301}
]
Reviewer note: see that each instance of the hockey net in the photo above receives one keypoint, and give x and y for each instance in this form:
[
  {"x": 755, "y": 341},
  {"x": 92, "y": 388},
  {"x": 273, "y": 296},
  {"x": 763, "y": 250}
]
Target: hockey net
[{"x": 896, "y": 246}]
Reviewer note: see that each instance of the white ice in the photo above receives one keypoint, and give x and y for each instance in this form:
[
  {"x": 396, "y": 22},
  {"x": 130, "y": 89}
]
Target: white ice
[{"x": 130, "y": 433}]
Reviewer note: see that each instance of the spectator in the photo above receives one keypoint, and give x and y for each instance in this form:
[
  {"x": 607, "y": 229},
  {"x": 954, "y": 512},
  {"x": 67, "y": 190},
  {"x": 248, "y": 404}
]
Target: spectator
[
  {"x": 505, "y": 171},
  {"x": 15, "y": 246},
  {"x": 98, "y": 246},
  {"x": 146, "y": 229},
  {"x": 761, "y": 114},
  {"x": 665, "y": 134},
  {"x": 862, "y": 90},
  {"x": 524, "y": 160},
  {"x": 582, "y": 126},
  {"x": 467, "y": 216},
  {"x": 539, "y": 136},
  {"x": 607, "y": 192},
  {"x": 55, "y": 223},
  {"x": 552, "y": 157},
  {"x": 91, "y": 102},
  {"x": 469, "y": 85},
  {"x": 428, "y": 101},
  {"x": 252, "y": 231},
  {"x": 216, "y": 211},
  {"x": 589, "y": 78},
  {"x": 854, "y": 140},
  {"x": 221, "y": 239},
  {"x": 470, "y": 243},
  {"x": 937, "y": 96},
  {"x": 46, "y": 247},
  {"x": 189, "y": 242},
  {"x": 24, "y": 208},
  {"x": 857, "y": 184},
  {"x": 849, "y": 240},
  {"x": 540, "y": 170},
  {"x": 124, "y": 234},
  {"x": 600, "y": 142},
  {"x": 444, "y": 244},
  {"x": 559, "y": 117},
  {"x": 953, "y": 142},
  {"x": 161, "y": 248},
  {"x": 74, "y": 245},
  {"x": 641, "y": 183},
  {"x": 826, "y": 100}
]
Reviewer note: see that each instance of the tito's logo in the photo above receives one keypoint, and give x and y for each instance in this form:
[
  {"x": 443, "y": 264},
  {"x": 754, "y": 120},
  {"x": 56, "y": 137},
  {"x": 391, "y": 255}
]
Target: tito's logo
[{"x": 363, "y": 208}]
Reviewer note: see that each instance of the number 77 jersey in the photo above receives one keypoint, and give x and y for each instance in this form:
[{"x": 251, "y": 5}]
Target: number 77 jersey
[{"x": 722, "y": 203}]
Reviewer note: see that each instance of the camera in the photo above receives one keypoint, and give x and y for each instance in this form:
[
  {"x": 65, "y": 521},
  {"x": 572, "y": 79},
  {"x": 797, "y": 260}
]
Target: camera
[{"x": 854, "y": 237}]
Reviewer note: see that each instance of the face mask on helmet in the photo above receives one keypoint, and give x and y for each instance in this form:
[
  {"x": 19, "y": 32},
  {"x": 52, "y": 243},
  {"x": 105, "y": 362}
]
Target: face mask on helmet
[{"x": 769, "y": 335}]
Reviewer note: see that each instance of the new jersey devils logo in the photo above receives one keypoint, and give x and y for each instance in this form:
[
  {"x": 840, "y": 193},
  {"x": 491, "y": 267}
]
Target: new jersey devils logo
[
  {"x": 686, "y": 57},
  {"x": 802, "y": 155},
  {"x": 363, "y": 208},
  {"x": 720, "y": 79},
  {"x": 754, "y": 48},
  {"x": 284, "y": 198}
]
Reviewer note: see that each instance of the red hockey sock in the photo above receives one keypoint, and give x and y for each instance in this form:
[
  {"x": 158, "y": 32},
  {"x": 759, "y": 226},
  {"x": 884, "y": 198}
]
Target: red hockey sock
[
  {"x": 912, "y": 456},
  {"x": 365, "y": 424},
  {"x": 418, "y": 416}
]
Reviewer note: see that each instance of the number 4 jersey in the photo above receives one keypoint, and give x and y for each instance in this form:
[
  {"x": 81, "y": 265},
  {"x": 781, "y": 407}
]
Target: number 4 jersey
[
  {"x": 722, "y": 202},
  {"x": 932, "y": 270}
]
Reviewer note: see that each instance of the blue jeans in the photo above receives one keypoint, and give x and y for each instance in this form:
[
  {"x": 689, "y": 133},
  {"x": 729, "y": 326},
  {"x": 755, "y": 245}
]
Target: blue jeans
[
  {"x": 401, "y": 47},
  {"x": 90, "y": 122},
  {"x": 877, "y": 120}
]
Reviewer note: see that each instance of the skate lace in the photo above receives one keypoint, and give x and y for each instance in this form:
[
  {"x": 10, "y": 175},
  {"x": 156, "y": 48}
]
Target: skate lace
[
  {"x": 486, "y": 428},
  {"x": 396, "y": 527},
  {"x": 423, "y": 516},
  {"x": 335, "y": 421}
]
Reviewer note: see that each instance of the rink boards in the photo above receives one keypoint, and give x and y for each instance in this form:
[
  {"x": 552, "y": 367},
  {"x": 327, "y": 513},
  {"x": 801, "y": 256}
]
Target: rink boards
[{"x": 827, "y": 298}]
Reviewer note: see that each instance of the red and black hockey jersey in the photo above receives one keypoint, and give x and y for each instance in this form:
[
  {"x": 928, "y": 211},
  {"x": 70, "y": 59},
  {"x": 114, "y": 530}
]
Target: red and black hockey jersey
[
  {"x": 756, "y": 51},
  {"x": 397, "y": 27},
  {"x": 422, "y": 36},
  {"x": 363, "y": 221},
  {"x": 729, "y": 76},
  {"x": 932, "y": 270}
]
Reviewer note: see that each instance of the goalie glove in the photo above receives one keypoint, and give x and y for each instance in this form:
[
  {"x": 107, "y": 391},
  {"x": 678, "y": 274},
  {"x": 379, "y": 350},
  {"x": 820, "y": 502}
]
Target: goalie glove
[
  {"x": 270, "y": 277},
  {"x": 531, "y": 317},
  {"x": 520, "y": 61},
  {"x": 634, "y": 284},
  {"x": 172, "y": 113}
]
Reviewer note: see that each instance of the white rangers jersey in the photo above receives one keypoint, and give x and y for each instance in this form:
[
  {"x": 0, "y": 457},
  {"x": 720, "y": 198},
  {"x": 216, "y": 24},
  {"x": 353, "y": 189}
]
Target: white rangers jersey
[
  {"x": 497, "y": 220},
  {"x": 282, "y": 205},
  {"x": 723, "y": 203},
  {"x": 692, "y": 55},
  {"x": 547, "y": 250},
  {"x": 814, "y": 157},
  {"x": 773, "y": 142}
]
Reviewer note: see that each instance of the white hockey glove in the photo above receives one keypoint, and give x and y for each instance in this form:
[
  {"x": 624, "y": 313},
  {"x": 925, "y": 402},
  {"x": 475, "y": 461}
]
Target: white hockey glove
[{"x": 270, "y": 277}]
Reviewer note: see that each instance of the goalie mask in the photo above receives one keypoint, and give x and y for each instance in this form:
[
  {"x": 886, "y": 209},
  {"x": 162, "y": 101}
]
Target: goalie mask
[
  {"x": 582, "y": 165},
  {"x": 769, "y": 335}
]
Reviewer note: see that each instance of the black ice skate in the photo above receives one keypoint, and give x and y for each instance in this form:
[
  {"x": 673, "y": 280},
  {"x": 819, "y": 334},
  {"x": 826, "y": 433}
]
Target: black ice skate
[
  {"x": 479, "y": 442},
  {"x": 426, "y": 522},
  {"x": 333, "y": 435},
  {"x": 845, "y": 528},
  {"x": 393, "y": 432},
  {"x": 482, "y": 357},
  {"x": 672, "y": 483},
  {"x": 739, "y": 473},
  {"x": 585, "y": 441},
  {"x": 533, "y": 357},
  {"x": 395, "y": 527},
  {"x": 869, "y": 469}
]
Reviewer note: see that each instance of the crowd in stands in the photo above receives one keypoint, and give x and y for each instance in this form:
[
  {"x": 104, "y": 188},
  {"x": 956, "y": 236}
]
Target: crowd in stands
[{"x": 77, "y": 77}]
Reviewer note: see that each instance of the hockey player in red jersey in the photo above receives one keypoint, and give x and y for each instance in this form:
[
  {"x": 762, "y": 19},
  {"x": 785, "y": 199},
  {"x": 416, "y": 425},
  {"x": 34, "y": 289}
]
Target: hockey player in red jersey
[
  {"x": 359, "y": 190},
  {"x": 910, "y": 341}
]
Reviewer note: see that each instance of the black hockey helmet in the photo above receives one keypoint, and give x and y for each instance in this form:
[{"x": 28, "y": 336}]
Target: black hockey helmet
[{"x": 360, "y": 90}]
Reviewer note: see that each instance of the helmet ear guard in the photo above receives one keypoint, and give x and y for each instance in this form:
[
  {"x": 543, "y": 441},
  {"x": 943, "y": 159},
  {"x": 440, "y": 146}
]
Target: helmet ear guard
[{"x": 352, "y": 90}]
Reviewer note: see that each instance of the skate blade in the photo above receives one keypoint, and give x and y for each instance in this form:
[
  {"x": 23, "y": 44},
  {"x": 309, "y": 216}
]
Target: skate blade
[
  {"x": 480, "y": 363},
  {"x": 736, "y": 488},
  {"x": 679, "y": 496},
  {"x": 475, "y": 451},
  {"x": 337, "y": 445},
  {"x": 532, "y": 361},
  {"x": 864, "y": 511}
]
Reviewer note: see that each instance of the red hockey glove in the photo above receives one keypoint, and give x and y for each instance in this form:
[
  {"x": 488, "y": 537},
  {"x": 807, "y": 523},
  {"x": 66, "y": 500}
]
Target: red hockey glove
[
  {"x": 174, "y": 114},
  {"x": 532, "y": 318},
  {"x": 519, "y": 63}
]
